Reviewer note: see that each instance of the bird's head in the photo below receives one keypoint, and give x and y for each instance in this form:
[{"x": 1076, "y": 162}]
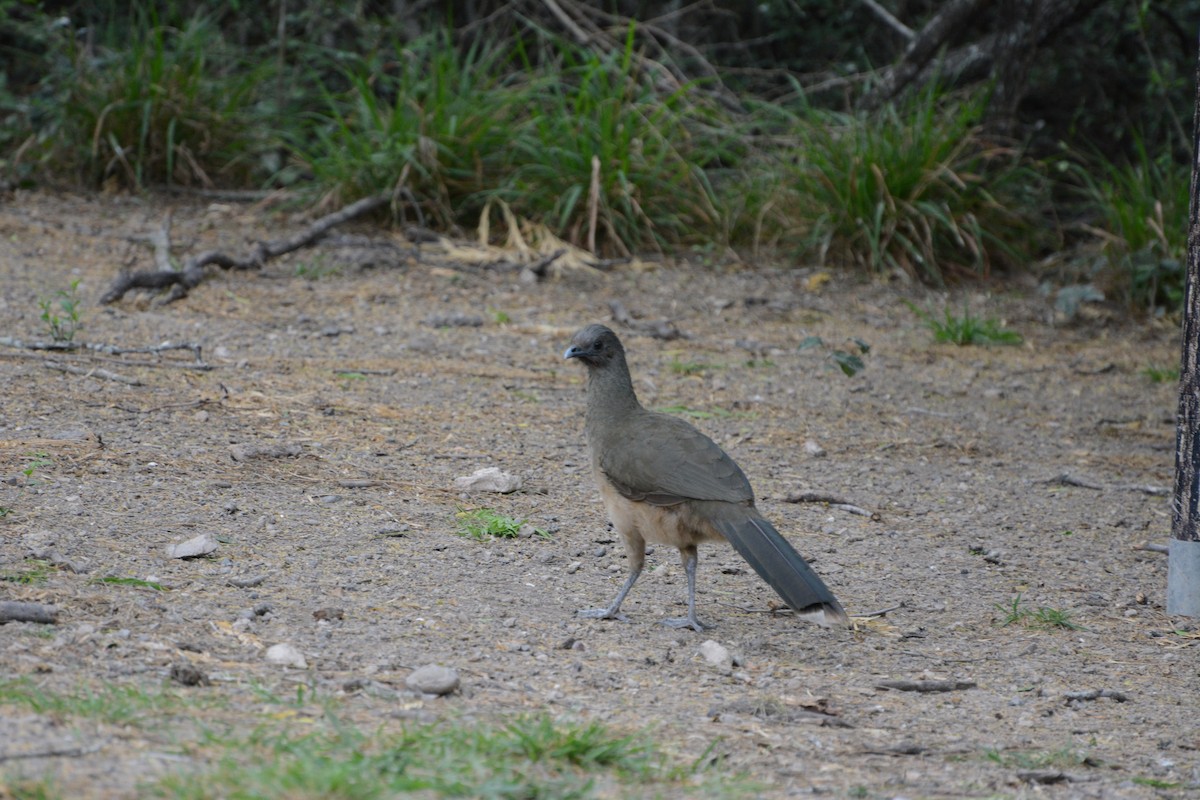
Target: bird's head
[{"x": 595, "y": 346}]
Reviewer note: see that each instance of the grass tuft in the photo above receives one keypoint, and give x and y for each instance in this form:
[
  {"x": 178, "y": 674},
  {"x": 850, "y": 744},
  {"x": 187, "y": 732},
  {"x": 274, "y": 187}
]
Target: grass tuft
[
  {"x": 483, "y": 524},
  {"x": 967, "y": 329},
  {"x": 1016, "y": 613}
]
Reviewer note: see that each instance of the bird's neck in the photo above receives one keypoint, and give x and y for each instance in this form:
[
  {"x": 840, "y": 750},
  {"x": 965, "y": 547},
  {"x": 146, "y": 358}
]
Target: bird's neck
[{"x": 610, "y": 394}]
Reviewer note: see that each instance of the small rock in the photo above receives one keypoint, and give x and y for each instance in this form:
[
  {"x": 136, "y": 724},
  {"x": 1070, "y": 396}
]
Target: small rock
[
  {"x": 716, "y": 655},
  {"x": 573, "y": 567},
  {"x": 198, "y": 546},
  {"x": 329, "y": 613},
  {"x": 813, "y": 449},
  {"x": 186, "y": 673},
  {"x": 488, "y": 479},
  {"x": 433, "y": 679},
  {"x": 245, "y": 452},
  {"x": 285, "y": 655}
]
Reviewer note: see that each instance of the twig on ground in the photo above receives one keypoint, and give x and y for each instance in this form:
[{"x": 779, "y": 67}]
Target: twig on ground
[
  {"x": 1096, "y": 694},
  {"x": 925, "y": 686},
  {"x": 659, "y": 329},
  {"x": 94, "y": 372},
  {"x": 180, "y": 282},
  {"x": 1153, "y": 547},
  {"x": 19, "y": 611},
  {"x": 833, "y": 500},
  {"x": 56, "y": 752}
]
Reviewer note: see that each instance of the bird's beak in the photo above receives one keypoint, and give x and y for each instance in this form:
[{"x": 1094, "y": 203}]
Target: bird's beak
[{"x": 572, "y": 352}]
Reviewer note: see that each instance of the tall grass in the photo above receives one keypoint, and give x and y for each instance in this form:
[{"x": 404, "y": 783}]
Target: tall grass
[
  {"x": 915, "y": 188},
  {"x": 159, "y": 105},
  {"x": 604, "y": 158},
  {"x": 432, "y": 121},
  {"x": 1140, "y": 213}
]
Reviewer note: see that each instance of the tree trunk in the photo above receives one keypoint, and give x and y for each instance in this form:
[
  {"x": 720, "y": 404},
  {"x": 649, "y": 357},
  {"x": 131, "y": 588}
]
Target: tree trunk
[{"x": 1183, "y": 571}]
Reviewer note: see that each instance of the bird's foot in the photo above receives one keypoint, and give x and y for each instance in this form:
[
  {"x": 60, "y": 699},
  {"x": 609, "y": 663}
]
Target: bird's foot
[
  {"x": 602, "y": 613},
  {"x": 687, "y": 622}
]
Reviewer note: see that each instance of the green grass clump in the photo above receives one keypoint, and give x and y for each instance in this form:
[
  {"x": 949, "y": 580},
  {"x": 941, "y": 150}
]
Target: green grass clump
[
  {"x": 482, "y": 524},
  {"x": 913, "y": 188},
  {"x": 1017, "y": 613},
  {"x": 36, "y": 572},
  {"x": 60, "y": 312},
  {"x": 1141, "y": 212},
  {"x": 532, "y": 757},
  {"x": 967, "y": 329},
  {"x": 115, "y": 704},
  {"x": 1158, "y": 374},
  {"x": 116, "y": 580},
  {"x": 151, "y": 104}
]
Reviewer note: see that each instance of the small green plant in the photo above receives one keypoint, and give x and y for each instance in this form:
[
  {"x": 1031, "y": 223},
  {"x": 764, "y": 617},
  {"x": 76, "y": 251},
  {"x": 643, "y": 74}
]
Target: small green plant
[
  {"x": 1036, "y": 759},
  {"x": 1161, "y": 374},
  {"x": 848, "y": 362},
  {"x": 482, "y": 524},
  {"x": 118, "y": 704},
  {"x": 317, "y": 268},
  {"x": 1155, "y": 783},
  {"x": 37, "y": 461},
  {"x": 966, "y": 330},
  {"x": 61, "y": 313},
  {"x": 36, "y": 571},
  {"x": 1017, "y": 613},
  {"x": 500, "y": 317},
  {"x": 116, "y": 580},
  {"x": 687, "y": 367}
]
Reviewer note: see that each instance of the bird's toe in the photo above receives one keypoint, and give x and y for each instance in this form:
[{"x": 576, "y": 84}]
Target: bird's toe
[{"x": 687, "y": 622}]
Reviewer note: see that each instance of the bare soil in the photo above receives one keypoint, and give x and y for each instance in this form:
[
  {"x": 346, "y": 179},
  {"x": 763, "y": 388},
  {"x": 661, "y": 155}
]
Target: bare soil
[{"x": 958, "y": 453}]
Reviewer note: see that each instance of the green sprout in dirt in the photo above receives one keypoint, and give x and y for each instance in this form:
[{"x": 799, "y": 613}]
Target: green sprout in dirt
[
  {"x": 37, "y": 461},
  {"x": 1158, "y": 374},
  {"x": 61, "y": 313},
  {"x": 483, "y": 524},
  {"x": 1017, "y": 613},
  {"x": 850, "y": 363},
  {"x": 688, "y": 367},
  {"x": 966, "y": 330},
  {"x": 36, "y": 572},
  {"x": 117, "y": 580}
]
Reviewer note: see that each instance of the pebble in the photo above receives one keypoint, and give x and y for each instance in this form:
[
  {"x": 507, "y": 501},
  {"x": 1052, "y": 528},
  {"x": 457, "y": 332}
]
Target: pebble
[
  {"x": 285, "y": 655},
  {"x": 573, "y": 567},
  {"x": 716, "y": 654},
  {"x": 195, "y": 547},
  {"x": 488, "y": 479},
  {"x": 433, "y": 679}
]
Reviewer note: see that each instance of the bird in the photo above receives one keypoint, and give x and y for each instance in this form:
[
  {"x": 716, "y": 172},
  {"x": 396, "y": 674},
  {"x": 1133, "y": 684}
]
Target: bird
[{"x": 664, "y": 481}]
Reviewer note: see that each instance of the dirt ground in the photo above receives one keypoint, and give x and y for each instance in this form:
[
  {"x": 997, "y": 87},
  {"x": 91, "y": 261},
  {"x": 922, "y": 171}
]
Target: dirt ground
[{"x": 958, "y": 453}]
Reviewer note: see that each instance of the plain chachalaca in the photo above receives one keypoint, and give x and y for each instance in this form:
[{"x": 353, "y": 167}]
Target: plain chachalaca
[{"x": 664, "y": 481}]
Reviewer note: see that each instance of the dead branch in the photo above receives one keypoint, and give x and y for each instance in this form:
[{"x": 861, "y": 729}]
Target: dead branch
[
  {"x": 18, "y": 611},
  {"x": 1096, "y": 694},
  {"x": 891, "y": 21},
  {"x": 180, "y": 282},
  {"x": 925, "y": 686},
  {"x": 832, "y": 499},
  {"x": 56, "y": 752},
  {"x": 94, "y": 372}
]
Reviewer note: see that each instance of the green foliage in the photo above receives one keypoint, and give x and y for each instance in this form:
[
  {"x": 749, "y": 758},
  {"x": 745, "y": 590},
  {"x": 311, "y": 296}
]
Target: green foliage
[
  {"x": 482, "y": 524},
  {"x": 37, "y": 460},
  {"x": 61, "y": 313},
  {"x": 1158, "y": 374},
  {"x": 850, "y": 363},
  {"x": 115, "y": 580},
  {"x": 914, "y": 188},
  {"x": 532, "y": 757},
  {"x": 967, "y": 329},
  {"x": 598, "y": 126},
  {"x": 151, "y": 104},
  {"x": 1141, "y": 208},
  {"x": 1017, "y": 613},
  {"x": 115, "y": 704},
  {"x": 36, "y": 572}
]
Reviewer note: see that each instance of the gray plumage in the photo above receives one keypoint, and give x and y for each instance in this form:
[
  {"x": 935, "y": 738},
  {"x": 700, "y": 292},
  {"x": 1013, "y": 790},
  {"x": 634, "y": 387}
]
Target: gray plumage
[{"x": 664, "y": 481}]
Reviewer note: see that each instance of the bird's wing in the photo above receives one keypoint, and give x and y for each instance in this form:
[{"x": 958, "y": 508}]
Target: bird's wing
[{"x": 663, "y": 460}]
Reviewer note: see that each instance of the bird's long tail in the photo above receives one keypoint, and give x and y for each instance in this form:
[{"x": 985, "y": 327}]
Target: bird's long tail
[{"x": 778, "y": 563}]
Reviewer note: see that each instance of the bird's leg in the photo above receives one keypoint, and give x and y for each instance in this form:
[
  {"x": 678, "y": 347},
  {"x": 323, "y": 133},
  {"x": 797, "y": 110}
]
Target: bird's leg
[
  {"x": 689, "y": 557},
  {"x": 614, "y": 608},
  {"x": 635, "y": 551}
]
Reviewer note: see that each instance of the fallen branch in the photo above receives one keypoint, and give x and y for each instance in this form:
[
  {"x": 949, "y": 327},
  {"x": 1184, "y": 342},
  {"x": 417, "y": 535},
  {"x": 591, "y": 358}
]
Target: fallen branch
[
  {"x": 56, "y": 752},
  {"x": 180, "y": 282},
  {"x": 1153, "y": 547},
  {"x": 94, "y": 372},
  {"x": 833, "y": 500},
  {"x": 17, "y": 611},
  {"x": 925, "y": 686},
  {"x": 1096, "y": 694}
]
